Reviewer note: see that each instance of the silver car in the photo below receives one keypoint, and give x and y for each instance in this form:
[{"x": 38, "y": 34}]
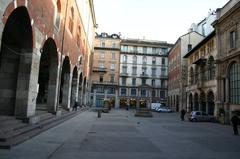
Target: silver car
[{"x": 200, "y": 116}]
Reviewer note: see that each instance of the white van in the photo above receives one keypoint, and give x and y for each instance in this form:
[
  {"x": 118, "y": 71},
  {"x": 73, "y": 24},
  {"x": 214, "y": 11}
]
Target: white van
[{"x": 155, "y": 106}]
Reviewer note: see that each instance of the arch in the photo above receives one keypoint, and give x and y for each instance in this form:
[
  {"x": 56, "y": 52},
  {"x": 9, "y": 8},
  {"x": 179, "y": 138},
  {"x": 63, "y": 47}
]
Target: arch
[
  {"x": 74, "y": 90},
  {"x": 16, "y": 45},
  {"x": 210, "y": 102},
  {"x": 65, "y": 83},
  {"x": 196, "y": 103},
  {"x": 234, "y": 83},
  {"x": 202, "y": 102},
  {"x": 190, "y": 102},
  {"x": 47, "y": 77}
]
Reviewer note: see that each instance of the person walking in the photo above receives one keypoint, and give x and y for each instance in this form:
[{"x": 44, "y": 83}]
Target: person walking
[
  {"x": 183, "y": 112},
  {"x": 235, "y": 121}
]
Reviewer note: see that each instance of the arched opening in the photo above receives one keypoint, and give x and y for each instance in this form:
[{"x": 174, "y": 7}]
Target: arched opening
[
  {"x": 196, "y": 103},
  {"x": 133, "y": 103},
  {"x": 210, "y": 102},
  {"x": 203, "y": 102},
  {"x": 65, "y": 78},
  {"x": 190, "y": 102},
  {"x": 16, "y": 46},
  {"x": 74, "y": 86},
  {"x": 47, "y": 78}
]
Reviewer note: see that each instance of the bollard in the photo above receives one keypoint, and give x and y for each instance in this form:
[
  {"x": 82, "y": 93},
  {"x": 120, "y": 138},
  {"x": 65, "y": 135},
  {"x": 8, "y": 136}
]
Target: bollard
[{"x": 99, "y": 113}]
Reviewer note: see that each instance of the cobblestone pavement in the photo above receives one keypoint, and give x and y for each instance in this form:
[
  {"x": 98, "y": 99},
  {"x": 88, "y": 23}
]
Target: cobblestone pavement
[{"x": 120, "y": 135}]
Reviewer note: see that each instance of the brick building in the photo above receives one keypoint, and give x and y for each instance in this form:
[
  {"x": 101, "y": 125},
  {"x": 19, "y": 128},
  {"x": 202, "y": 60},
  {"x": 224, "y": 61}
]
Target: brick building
[
  {"x": 44, "y": 57},
  {"x": 178, "y": 69}
]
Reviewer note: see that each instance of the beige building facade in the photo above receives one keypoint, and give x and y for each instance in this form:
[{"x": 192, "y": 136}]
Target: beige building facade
[
  {"x": 201, "y": 87},
  {"x": 105, "y": 69},
  {"x": 228, "y": 59}
]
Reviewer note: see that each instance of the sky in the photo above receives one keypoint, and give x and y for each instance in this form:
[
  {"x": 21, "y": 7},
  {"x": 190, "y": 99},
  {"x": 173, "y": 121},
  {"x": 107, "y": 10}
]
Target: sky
[{"x": 163, "y": 20}]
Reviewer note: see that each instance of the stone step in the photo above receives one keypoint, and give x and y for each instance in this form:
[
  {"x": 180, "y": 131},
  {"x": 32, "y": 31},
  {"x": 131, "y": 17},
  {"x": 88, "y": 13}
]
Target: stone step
[{"x": 21, "y": 135}]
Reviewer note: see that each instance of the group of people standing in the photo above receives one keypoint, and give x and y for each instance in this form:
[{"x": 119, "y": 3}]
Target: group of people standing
[{"x": 234, "y": 120}]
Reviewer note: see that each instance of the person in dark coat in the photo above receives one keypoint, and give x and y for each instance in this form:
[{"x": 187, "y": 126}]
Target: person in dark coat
[
  {"x": 75, "y": 106},
  {"x": 183, "y": 112},
  {"x": 235, "y": 121}
]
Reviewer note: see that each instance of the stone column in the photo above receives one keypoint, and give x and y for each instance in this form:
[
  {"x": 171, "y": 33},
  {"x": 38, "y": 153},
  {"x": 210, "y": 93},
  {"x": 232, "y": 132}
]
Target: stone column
[
  {"x": 66, "y": 91},
  {"x": 53, "y": 90},
  {"x": 26, "y": 94}
]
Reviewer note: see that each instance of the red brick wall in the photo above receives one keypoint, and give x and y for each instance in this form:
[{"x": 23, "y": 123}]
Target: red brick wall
[{"x": 42, "y": 12}]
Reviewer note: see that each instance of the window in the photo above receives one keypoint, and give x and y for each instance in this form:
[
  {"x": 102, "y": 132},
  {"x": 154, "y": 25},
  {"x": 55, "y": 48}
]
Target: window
[
  {"x": 133, "y": 92},
  {"x": 154, "y": 60},
  {"x": 124, "y": 80},
  {"x": 191, "y": 75},
  {"x": 123, "y": 91},
  {"x": 164, "y": 51},
  {"x": 134, "y": 81},
  {"x": 102, "y": 44},
  {"x": 58, "y": 16},
  {"x": 163, "y": 61},
  {"x": 101, "y": 65},
  {"x": 144, "y": 60},
  {"x": 162, "y": 94},
  {"x": 211, "y": 69},
  {"x": 113, "y": 55},
  {"x": 144, "y": 70},
  {"x": 232, "y": 39},
  {"x": 144, "y": 50},
  {"x": 189, "y": 47},
  {"x": 113, "y": 45},
  {"x": 153, "y": 82},
  {"x": 124, "y": 69},
  {"x": 125, "y": 48},
  {"x": 102, "y": 55},
  {"x": 154, "y": 50},
  {"x": 134, "y": 48},
  {"x": 112, "y": 67},
  {"x": 79, "y": 36},
  {"x": 134, "y": 70},
  {"x": 101, "y": 78},
  {"x": 71, "y": 20},
  {"x": 134, "y": 59},
  {"x": 153, "y": 71},
  {"x": 112, "y": 78},
  {"x": 153, "y": 93},
  {"x": 143, "y": 92},
  {"x": 143, "y": 81},
  {"x": 111, "y": 90},
  {"x": 234, "y": 83},
  {"x": 163, "y": 71},
  {"x": 124, "y": 58}
]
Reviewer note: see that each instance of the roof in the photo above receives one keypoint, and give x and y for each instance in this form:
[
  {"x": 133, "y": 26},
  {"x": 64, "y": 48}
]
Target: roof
[{"x": 212, "y": 34}]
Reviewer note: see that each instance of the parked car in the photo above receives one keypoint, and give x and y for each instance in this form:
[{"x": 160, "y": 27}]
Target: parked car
[
  {"x": 164, "y": 110},
  {"x": 200, "y": 116},
  {"x": 155, "y": 106}
]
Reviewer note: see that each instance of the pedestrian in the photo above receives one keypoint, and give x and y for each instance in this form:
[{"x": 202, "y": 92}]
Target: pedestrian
[
  {"x": 235, "y": 121},
  {"x": 75, "y": 106},
  {"x": 183, "y": 112}
]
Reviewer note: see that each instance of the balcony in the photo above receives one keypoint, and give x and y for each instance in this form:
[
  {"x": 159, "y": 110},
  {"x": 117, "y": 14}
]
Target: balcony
[
  {"x": 144, "y": 75},
  {"x": 99, "y": 69},
  {"x": 105, "y": 82},
  {"x": 124, "y": 74},
  {"x": 163, "y": 76}
]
